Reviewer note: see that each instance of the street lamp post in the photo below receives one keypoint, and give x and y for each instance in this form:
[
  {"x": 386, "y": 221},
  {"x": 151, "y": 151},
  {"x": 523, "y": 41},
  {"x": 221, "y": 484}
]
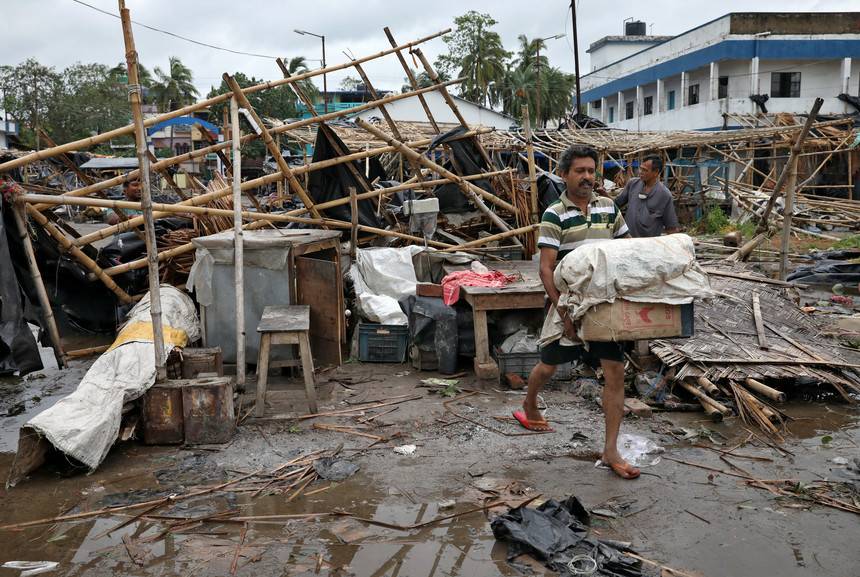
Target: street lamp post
[
  {"x": 538, "y": 43},
  {"x": 325, "y": 84}
]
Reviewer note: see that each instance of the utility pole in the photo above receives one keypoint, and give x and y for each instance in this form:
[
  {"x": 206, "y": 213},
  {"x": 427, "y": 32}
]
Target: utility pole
[{"x": 575, "y": 54}]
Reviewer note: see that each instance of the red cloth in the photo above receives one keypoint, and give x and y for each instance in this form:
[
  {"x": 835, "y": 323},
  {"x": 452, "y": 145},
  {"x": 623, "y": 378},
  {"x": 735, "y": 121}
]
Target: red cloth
[{"x": 451, "y": 283}]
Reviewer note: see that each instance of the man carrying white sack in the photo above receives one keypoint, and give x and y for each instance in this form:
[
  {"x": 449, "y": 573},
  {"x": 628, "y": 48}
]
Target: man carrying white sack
[{"x": 580, "y": 216}]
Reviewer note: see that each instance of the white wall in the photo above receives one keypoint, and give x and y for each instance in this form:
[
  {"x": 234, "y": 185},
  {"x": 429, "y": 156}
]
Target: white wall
[
  {"x": 410, "y": 110},
  {"x": 614, "y": 51},
  {"x": 694, "y": 40}
]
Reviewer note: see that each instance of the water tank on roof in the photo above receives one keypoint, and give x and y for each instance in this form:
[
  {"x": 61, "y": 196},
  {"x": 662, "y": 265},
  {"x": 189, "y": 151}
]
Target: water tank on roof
[{"x": 635, "y": 28}]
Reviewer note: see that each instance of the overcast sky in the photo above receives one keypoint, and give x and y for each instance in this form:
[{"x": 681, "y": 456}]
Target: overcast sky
[{"x": 60, "y": 32}]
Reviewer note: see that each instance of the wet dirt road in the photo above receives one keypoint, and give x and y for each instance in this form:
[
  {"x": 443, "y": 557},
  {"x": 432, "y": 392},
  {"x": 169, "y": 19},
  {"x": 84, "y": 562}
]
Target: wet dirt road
[{"x": 696, "y": 520}]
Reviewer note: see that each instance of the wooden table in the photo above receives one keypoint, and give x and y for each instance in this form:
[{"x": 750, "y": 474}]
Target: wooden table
[{"x": 527, "y": 293}]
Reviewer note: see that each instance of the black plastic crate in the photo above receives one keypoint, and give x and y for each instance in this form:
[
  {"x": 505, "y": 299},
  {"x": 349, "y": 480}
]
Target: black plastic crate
[
  {"x": 382, "y": 343},
  {"x": 522, "y": 364}
]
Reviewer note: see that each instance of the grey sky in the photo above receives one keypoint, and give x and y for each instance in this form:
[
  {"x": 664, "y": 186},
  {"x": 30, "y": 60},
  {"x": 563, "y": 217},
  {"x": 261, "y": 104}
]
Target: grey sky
[{"x": 60, "y": 32}]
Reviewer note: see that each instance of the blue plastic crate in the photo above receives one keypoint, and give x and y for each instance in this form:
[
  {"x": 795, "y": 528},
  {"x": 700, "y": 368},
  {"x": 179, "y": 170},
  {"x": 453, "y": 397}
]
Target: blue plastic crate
[
  {"x": 382, "y": 343},
  {"x": 522, "y": 364}
]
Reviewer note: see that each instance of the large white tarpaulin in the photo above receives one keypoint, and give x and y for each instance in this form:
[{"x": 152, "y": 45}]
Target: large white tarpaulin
[{"x": 85, "y": 424}]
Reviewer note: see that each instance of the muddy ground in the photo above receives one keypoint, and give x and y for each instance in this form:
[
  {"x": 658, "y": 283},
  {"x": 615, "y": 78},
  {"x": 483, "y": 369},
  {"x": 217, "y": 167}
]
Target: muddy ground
[{"x": 703, "y": 523}]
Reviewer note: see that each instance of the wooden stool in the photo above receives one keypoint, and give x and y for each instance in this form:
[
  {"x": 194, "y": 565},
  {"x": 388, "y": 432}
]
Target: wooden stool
[{"x": 285, "y": 325}]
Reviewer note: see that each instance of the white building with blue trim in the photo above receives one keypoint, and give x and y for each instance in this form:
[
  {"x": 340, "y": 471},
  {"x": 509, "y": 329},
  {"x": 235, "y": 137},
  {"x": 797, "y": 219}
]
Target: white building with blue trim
[{"x": 739, "y": 64}]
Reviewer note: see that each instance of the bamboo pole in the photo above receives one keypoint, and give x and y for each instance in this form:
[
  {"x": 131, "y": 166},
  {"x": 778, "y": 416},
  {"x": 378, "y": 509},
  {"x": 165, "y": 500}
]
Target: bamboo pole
[
  {"x": 413, "y": 82},
  {"x": 67, "y": 245},
  {"x": 763, "y": 389},
  {"x": 145, "y": 193},
  {"x": 295, "y": 185},
  {"x": 129, "y": 129},
  {"x": 530, "y": 151},
  {"x": 250, "y": 137},
  {"x": 238, "y": 237},
  {"x": 709, "y": 387},
  {"x": 790, "y": 187},
  {"x": 38, "y": 283},
  {"x": 795, "y": 150},
  {"x": 502, "y": 235},
  {"x": 467, "y": 187},
  {"x": 353, "y": 215}
]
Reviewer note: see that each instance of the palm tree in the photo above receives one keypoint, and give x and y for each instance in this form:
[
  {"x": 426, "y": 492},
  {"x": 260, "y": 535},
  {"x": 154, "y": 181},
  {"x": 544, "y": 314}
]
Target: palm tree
[
  {"x": 481, "y": 67},
  {"x": 527, "y": 52},
  {"x": 299, "y": 65},
  {"x": 174, "y": 88}
]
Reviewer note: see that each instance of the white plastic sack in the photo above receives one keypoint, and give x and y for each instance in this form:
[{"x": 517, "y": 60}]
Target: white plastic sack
[
  {"x": 85, "y": 424},
  {"x": 658, "y": 270},
  {"x": 382, "y": 276},
  {"x": 388, "y": 271}
]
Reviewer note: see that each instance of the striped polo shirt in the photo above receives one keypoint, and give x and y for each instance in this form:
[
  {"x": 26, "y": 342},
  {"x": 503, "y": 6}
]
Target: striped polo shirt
[{"x": 564, "y": 227}]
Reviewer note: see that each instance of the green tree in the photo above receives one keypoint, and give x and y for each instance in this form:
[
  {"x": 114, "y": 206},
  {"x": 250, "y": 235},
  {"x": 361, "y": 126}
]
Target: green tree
[
  {"x": 423, "y": 79},
  {"x": 350, "y": 83},
  {"x": 30, "y": 90},
  {"x": 91, "y": 101},
  {"x": 476, "y": 53},
  {"x": 174, "y": 88}
]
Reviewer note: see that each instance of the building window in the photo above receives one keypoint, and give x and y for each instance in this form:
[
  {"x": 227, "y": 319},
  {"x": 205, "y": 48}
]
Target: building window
[
  {"x": 611, "y": 114},
  {"x": 648, "y": 105},
  {"x": 596, "y": 105},
  {"x": 723, "y": 87},
  {"x": 693, "y": 94},
  {"x": 785, "y": 84},
  {"x": 628, "y": 110},
  {"x": 670, "y": 105}
]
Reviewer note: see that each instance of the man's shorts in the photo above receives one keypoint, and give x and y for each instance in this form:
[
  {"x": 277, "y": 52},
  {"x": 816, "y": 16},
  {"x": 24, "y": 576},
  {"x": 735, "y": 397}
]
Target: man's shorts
[{"x": 557, "y": 354}]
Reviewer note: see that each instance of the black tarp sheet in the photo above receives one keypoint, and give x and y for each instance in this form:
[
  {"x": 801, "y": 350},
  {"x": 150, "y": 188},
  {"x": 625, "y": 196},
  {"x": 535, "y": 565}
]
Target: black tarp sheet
[
  {"x": 467, "y": 161},
  {"x": 18, "y": 349},
  {"x": 333, "y": 182},
  {"x": 556, "y": 533},
  {"x": 830, "y": 267}
]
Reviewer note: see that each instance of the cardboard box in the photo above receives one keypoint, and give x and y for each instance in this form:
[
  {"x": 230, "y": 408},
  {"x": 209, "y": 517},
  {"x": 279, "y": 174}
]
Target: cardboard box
[{"x": 628, "y": 321}]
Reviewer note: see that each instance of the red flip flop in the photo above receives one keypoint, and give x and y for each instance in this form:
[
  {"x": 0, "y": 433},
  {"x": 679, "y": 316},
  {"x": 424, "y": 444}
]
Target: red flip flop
[
  {"x": 540, "y": 426},
  {"x": 624, "y": 470}
]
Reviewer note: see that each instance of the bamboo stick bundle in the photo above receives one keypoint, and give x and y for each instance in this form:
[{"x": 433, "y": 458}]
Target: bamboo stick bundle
[{"x": 753, "y": 411}]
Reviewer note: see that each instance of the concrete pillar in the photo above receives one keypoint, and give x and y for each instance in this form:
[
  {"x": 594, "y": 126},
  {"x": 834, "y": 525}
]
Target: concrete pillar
[
  {"x": 660, "y": 105},
  {"x": 604, "y": 113},
  {"x": 754, "y": 83},
  {"x": 715, "y": 81},
  {"x": 684, "y": 79},
  {"x": 620, "y": 111},
  {"x": 846, "y": 75},
  {"x": 637, "y": 104}
]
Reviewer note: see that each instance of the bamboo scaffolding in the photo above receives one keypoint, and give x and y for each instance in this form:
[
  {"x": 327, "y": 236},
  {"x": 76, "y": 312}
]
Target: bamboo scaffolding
[
  {"x": 247, "y": 185},
  {"x": 226, "y": 144},
  {"x": 295, "y": 185},
  {"x": 129, "y": 129},
  {"x": 474, "y": 192}
]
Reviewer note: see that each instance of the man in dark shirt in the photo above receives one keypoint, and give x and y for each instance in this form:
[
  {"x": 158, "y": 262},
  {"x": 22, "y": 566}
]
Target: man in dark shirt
[{"x": 649, "y": 209}]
